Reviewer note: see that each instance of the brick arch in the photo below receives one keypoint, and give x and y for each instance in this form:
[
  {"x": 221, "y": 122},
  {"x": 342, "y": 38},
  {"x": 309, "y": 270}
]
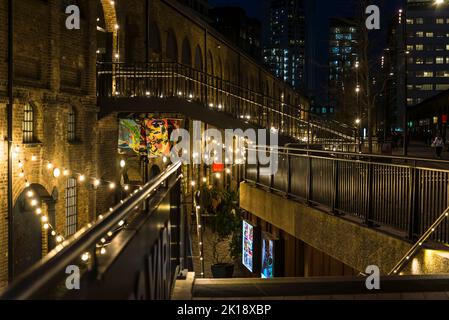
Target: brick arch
[
  {"x": 110, "y": 15},
  {"x": 219, "y": 68},
  {"x": 110, "y": 20},
  {"x": 186, "y": 53},
  {"x": 155, "y": 42},
  {"x": 210, "y": 63},
  {"x": 198, "y": 58},
  {"x": 171, "y": 46}
]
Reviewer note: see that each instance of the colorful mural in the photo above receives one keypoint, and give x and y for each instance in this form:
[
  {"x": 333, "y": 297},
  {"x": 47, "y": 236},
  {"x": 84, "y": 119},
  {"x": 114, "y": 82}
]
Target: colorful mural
[{"x": 147, "y": 135}]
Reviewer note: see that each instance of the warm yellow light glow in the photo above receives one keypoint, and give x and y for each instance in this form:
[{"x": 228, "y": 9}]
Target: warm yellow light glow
[
  {"x": 56, "y": 172},
  {"x": 82, "y": 178},
  {"x": 122, "y": 163},
  {"x": 96, "y": 182},
  {"x": 85, "y": 256}
]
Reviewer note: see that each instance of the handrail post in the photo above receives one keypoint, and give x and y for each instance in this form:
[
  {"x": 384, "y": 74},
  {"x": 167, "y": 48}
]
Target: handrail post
[
  {"x": 289, "y": 176},
  {"x": 369, "y": 213},
  {"x": 413, "y": 224},
  {"x": 309, "y": 179},
  {"x": 335, "y": 203}
]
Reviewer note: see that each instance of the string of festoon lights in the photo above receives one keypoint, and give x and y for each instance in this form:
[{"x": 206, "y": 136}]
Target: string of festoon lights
[
  {"x": 57, "y": 172},
  {"x": 240, "y": 153}
]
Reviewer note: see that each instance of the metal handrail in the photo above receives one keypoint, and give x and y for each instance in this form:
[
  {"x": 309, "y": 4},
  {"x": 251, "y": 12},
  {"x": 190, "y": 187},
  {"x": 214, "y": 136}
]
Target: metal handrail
[
  {"x": 64, "y": 254},
  {"x": 418, "y": 245},
  {"x": 287, "y": 151},
  {"x": 342, "y": 130}
]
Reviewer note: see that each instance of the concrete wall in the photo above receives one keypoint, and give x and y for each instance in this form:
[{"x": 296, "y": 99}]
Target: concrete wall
[{"x": 351, "y": 243}]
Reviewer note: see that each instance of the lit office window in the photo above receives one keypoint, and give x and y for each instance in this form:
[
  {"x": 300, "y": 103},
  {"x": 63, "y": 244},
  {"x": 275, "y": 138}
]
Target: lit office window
[{"x": 439, "y": 60}]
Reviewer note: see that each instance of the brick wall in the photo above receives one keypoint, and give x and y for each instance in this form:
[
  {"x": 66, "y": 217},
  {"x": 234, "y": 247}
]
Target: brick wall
[{"x": 54, "y": 69}]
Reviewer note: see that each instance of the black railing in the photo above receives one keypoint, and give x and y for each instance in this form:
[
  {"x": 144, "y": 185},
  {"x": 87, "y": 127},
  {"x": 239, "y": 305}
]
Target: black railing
[
  {"x": 132, "y": 252},
  {"x": 380, "y": 190},
  {"x": 171, "y": 79}
]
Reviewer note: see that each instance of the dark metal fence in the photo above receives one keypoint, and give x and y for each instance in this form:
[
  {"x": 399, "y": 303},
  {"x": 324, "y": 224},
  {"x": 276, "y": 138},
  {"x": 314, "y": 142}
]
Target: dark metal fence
[
  {"x": 133, "y": 252},
  {"x": 387, "y": 191},
  {"x": 171, "y": 79}
]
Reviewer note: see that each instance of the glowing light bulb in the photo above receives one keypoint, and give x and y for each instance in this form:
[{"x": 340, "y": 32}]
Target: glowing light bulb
[
  {"x": 30, "y": 194},
  {"x": 65, "y": 172},
  {"x": 56, "y": 172},
  {"x": 164, "y": 159},
  {"x": 82, "y": 178},
  {"x": 46, "y": 226},
  {"x": 112, "y": 185},
  {"x": 38, "y": 211},
  {"x": 22, "y": 174},
  {"x": 192, "y": 183},
  {"x": 204, "y": 180},
  {"x": 121, "y": 223},
  {"x": 85, "y": 256},
  {"x": 103, "y": 251},
  {"x": 49, "y": 166},
  {"x": 20, "y": 164},
  {"x": 126, "y": 187},
  {"x": 33, "y": 202},
  {"x": 96, "y": 183},
  {"x": 122, "y": 163},
  {"x": 58, "y": 239},
  {"x": 44, "y": 219}
]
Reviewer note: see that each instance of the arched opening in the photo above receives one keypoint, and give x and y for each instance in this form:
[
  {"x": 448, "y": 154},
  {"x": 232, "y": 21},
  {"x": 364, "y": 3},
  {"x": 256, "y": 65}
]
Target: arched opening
[
  {"x": 155, "y": 42},
  {"x": 210, "y": 63},
  {"x": 171, "y": 48},
  {"x": 186, "y": 52},
  {"x": 199, "y": 88},
  {"x": 210, "y": 80},
  {"x": 27, "y": 228},
  {"x": 198, "y": 59},
  {"x": 107, "y": 32},
  {"x": 131, "y": 36}
]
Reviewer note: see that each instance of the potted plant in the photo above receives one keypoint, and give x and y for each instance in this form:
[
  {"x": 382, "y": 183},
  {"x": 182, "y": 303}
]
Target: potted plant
[{"x": 224, "y": 221}]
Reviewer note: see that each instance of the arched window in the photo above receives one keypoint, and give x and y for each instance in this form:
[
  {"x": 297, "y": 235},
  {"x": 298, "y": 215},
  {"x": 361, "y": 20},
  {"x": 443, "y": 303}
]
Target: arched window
[
  {"x": 198, "y": 59},
  {"x": 71, "y": 211},
  {"x": 71, "y": 125},
  {"x": 186, "y": 53},
  {"x": 28, "y": 124},
  {"x": 171, "y": 47}
]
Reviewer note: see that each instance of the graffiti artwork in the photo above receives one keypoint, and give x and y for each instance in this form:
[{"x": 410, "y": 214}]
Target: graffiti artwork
[{"x": 147, "y": 135}]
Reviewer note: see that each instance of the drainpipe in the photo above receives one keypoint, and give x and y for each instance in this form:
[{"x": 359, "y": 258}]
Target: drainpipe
[
  {"x": 10, "y": 138},
  {"x": 147, "y": 31}
]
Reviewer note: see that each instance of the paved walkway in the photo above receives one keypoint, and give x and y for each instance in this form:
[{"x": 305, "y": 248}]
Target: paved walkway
[{"x": 420, "y": 150}]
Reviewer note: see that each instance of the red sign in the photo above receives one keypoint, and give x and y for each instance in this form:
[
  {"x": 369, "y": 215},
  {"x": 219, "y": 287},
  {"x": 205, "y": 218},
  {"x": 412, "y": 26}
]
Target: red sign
[
  {"x": 444, "y": 118},
  {"x": 217, "y": 167}
]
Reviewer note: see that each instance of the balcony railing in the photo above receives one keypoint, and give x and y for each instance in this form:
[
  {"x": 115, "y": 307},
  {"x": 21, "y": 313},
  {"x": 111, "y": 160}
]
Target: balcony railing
[
  {"x": 132, "y": 252},
  {"x": 171, "y": 79},
  {"x": 379, "y": 190}
]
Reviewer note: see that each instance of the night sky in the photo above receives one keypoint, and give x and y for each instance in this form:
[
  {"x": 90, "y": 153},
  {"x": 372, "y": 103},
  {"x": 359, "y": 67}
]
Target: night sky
[{"x": 325, "y": 10}]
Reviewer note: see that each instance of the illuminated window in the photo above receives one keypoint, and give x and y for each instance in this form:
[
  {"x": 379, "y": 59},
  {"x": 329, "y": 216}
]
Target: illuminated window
[
  {"x": 419, "y": 20},
  {"x": 429, "y": 34},
  {"x": 439, "y": 60},
  {"x": 28, "y": 124},
  {"x": 439, "y": 21},
  {"x": 71, "y": 207},
  {"x": 419, "y": 47}
]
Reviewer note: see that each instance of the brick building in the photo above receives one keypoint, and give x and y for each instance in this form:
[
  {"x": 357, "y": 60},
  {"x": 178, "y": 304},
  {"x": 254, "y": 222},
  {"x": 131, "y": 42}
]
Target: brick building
[{"x": 57, "y": 123}]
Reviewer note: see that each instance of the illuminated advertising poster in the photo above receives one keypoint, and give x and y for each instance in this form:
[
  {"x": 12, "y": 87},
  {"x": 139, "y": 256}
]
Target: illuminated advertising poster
[
  {"x": 267, "y": 258},
  {"x": 248, "y": 246}
]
